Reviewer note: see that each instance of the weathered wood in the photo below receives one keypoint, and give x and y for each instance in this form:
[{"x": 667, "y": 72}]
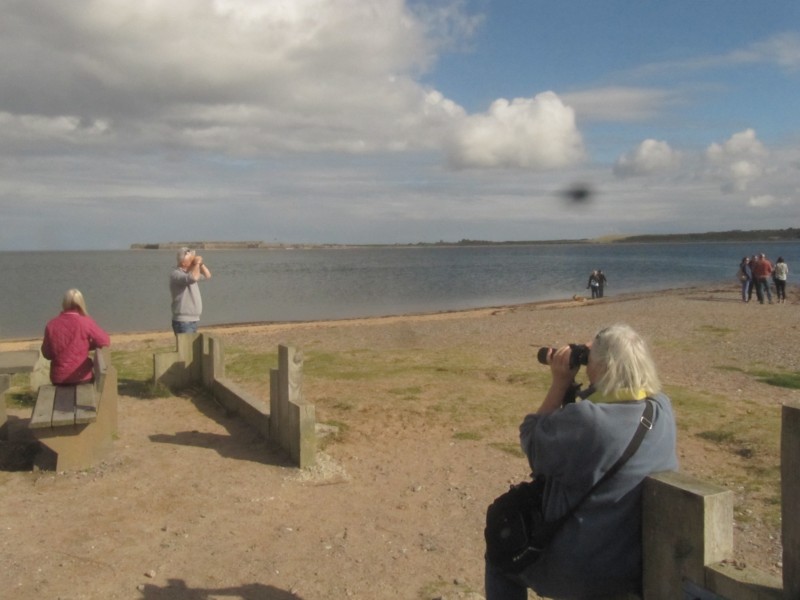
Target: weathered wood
[
  {"x": 43, "y": 409},
  {"x": 64, "y": 406},
  {"x": 790, "y": 497},
  {"x": 686, "y": 525},
  {"x": 85, "y": 403}
]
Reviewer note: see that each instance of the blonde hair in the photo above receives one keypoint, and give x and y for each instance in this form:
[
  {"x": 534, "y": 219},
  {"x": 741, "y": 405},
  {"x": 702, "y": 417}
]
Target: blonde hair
[
  {"x": 625, "y": 360},
  {"x": 73, "y": 300}
]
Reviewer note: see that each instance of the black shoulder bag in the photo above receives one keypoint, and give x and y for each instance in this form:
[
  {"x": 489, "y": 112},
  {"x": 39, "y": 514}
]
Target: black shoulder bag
[{"x": 516, "y": 531}]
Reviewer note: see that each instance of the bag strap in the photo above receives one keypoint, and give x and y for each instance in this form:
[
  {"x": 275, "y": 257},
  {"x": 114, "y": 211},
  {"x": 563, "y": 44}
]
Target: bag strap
[{"x": 645, "y": 425}]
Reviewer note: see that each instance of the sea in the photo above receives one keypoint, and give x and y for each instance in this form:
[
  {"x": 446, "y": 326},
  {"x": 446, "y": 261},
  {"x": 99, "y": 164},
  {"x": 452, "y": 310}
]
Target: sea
[{"x": 127, "y": 290}]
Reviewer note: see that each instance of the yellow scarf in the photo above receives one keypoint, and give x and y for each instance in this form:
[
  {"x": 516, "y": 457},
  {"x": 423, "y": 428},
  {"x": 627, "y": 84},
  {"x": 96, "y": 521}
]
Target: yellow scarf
[{"x": 622, "y": 395}]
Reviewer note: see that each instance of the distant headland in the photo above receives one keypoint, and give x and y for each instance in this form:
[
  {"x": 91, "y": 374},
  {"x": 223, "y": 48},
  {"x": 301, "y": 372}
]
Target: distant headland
[{"x": 736, "y": 235}]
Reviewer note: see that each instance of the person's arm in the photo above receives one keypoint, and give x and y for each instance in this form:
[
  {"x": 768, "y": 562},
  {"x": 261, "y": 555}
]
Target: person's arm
[
  {"x": 98, "y": 338},
  {"x": 47, "y": 350},
  {"x": 199, "y": 268},
  {"x": 563, "y": 378}
]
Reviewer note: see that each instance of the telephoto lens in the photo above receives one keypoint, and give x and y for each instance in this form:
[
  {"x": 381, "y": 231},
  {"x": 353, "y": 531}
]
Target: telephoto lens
[
  {"x": 578, "y": 356},
  {"x": 543, "y": 356}
]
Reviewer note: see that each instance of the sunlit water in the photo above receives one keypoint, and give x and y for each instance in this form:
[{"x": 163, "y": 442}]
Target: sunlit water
[{"x": 128, "y": 290}]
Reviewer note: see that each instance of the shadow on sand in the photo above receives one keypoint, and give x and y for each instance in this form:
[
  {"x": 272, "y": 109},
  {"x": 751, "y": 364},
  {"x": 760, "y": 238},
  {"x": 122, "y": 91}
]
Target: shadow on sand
[
  {"x": 241, "y": 442},
  {"x": 176, "y": 589}
]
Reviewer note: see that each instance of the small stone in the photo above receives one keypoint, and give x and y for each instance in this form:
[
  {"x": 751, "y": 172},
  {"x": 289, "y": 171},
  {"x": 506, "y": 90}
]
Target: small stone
[{"x": 151, "y": 574}]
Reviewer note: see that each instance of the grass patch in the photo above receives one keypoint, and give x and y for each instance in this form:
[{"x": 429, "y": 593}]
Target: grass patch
[
  {"x": 784, "y": 379},
  {"x": 135, "y": 372},
  {"x": 407, "y": 393},
  {"x": 24, "y": 398},
  {"x": 718, "y": 436},
  {"x": 715, "y": 330},
  {"x": 746, "y": 432},
  {"x": 472, "y": 436},
  {"x": 243, "y": 365},
  {"x": 779, "y": 379}
]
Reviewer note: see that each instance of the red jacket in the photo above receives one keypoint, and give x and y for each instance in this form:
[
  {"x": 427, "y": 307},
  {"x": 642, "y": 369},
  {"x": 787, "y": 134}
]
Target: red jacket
[
  {"x": 762, "y": 268},
  {"x": 67, "y": 341}
]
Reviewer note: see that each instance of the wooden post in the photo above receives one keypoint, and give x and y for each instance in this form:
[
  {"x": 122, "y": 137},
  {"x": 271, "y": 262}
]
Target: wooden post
[
  {"x": 292, "y": 419},
  {"x": 686, "y": 525},
  {"x": 213, "y": 360},
  {"x": 790, "y": 498}
]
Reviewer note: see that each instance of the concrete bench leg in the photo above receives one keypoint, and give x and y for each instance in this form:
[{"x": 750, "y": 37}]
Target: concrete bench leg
[{"x": 81, "y": 446}]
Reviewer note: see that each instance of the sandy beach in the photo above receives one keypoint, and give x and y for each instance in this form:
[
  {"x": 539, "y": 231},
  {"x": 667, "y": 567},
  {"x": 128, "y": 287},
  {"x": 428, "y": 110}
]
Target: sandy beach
[{"x": 193, "y": 504}]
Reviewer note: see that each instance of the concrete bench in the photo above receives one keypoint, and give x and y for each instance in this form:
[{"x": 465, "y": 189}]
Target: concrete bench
[{"x": 76, "y": 424}]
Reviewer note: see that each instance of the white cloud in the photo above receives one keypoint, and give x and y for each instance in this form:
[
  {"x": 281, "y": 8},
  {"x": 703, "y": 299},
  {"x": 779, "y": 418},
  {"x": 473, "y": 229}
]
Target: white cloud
[
  {"x": 762, "y": 201},
  {"x": 621, "y": 104},
  {"x": 738, "y": 161},
  {"x": 649, "y": 158},
  {"x": 234, "y": 76},
  {"x": 782, "y": 50},
  {"x": 529, "y": 133}
]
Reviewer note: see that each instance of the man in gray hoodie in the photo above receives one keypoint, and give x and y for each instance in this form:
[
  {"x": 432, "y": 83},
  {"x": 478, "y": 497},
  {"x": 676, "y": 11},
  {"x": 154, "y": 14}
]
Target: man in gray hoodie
[{"x": 187, "y": 305}]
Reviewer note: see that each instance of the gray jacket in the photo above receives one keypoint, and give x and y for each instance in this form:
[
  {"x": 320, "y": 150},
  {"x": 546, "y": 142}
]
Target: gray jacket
[
  {"x": 187, "y": 305},
  {"x": 598, "y": 551}
]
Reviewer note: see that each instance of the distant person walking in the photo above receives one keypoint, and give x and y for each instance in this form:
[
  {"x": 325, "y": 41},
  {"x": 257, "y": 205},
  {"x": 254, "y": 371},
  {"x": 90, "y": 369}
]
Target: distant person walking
[
  {"x": 745, "y": 278},
  {"x": 780, "y": 275},
  {"x": 601, "y": 281},
  {"x": 187, "y": 305},
  {"x": 68, "y": 338}
]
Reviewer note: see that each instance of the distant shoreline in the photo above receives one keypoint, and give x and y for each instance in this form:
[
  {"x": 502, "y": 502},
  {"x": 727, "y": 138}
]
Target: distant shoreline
[
  {"x": 757, "y": 235},
  {"x": 575, "y": 302}
]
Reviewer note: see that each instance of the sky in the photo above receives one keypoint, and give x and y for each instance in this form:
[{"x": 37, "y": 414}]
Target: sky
[{"x": 394, "y": 121}]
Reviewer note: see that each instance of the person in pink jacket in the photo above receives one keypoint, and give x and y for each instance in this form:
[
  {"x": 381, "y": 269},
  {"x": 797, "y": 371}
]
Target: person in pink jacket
[{"x": 69, "y": 338}]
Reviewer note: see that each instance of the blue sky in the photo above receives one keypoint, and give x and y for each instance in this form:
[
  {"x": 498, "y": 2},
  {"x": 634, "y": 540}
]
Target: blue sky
[{"x": 396, "y": 121}]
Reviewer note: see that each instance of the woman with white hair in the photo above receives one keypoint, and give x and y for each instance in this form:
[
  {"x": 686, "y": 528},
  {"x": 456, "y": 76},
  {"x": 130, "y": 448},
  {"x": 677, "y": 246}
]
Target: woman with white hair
[
  {"x": 68, "y": 338},
  {"x": 597, "y": 553}
]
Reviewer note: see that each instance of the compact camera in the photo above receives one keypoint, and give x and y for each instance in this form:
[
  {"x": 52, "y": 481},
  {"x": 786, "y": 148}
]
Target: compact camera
[{"x": 579, "y": 355}]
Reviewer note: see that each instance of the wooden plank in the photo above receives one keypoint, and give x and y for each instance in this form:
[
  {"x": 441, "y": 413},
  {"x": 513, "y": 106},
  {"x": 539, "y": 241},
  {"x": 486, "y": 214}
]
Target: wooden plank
[
  {"x": 85, "y": 404},
  {"x": 43, "y": 409},
  {"x": 64, "y": 406}
]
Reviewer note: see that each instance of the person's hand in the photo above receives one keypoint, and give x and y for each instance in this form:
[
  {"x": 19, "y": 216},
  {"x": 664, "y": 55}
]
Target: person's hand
[
  {"x": 198, "y": 260},
  {"x": 559, "y": 365}
]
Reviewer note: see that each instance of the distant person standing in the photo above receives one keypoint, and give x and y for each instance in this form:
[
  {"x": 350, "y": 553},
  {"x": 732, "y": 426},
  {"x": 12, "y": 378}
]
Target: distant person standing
[
  {"x": 780, "y": 275},
  {"x": 745, "y": 276},
  {"x": 762, "y": 271},
  {"x": 187, "y": 305},
  {"x": 68, "y": 339},
  {"x": 753, "y": 280},
  {"x": 594, "y": 284},
  {"x": 601, "y": 282}
]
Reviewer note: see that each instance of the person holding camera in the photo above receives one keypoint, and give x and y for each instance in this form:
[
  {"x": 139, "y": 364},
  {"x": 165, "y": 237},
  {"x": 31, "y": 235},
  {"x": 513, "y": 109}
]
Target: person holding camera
[
  {"x": 187, "y": 304},
  {"x": 573, "y": 442}
]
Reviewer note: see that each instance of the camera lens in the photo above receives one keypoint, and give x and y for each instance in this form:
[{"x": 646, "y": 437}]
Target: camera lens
[{"x": 543, "y": 355}]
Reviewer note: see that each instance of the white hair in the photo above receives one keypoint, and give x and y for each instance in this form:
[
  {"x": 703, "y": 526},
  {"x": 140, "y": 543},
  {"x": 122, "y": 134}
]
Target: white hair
[
  {"x": 625, "y": 361},
  {"x": 183, "y": 253}
]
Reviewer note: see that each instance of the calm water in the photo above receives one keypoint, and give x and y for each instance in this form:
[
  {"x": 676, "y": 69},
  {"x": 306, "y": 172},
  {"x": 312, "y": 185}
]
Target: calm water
[{"x": 128, "y": 291}]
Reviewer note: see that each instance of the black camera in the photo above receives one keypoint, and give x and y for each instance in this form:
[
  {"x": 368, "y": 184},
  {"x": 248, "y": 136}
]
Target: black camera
[{"x": 578, "y": 356}]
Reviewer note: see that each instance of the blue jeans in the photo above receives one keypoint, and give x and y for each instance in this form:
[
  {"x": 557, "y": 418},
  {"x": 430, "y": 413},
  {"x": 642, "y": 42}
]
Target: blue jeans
[
  {"x": 763, "y": 286},
  {"x": 184, "y": 326}
]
